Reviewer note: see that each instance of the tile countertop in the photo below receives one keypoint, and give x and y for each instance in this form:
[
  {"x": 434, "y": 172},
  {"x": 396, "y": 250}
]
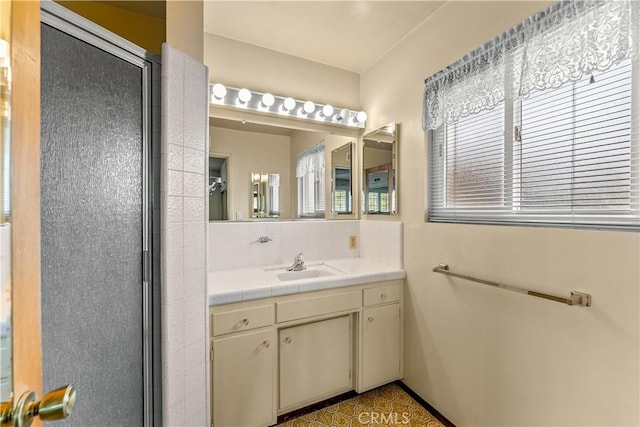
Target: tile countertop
[{"x": 244, "y": 284}]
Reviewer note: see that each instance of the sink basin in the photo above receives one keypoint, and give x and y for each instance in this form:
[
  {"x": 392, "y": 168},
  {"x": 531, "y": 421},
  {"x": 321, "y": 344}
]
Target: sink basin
[
  {"x": 312, "y": 271},
  {"x": 303, "y": 274}
]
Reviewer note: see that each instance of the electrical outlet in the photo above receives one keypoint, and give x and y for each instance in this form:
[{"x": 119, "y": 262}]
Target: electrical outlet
[{"x": 353, "y": 242}]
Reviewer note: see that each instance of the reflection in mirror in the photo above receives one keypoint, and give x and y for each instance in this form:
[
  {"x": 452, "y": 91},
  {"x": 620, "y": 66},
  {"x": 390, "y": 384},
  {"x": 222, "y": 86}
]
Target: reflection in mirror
[
  {"x": 259, "y": 148},
  {"x": 379, "y": 168},
  {"x": 5, "y": 206},
  {"x": 341, "y": 166},
  {"x": 265, "y": 195},
  {"x": 218, "y": 204}
]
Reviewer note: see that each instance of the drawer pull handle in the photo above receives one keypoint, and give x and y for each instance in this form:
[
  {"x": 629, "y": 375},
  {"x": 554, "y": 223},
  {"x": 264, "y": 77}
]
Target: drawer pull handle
[
  {"x": 383, "y": 296},
  {"x": 245, "y": 322},
  {"x": 287, "y": 340},
  {"x": 370, "y": 319}
]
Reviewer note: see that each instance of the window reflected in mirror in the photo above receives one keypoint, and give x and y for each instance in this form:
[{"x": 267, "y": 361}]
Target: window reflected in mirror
[
  {"x": 379, "y": 183},
  {"x": 311, "y": 181},
  {"x": 341, "y": 192}
]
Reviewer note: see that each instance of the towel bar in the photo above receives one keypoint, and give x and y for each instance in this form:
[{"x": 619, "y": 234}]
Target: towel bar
[{"x": 576, "y": 298}]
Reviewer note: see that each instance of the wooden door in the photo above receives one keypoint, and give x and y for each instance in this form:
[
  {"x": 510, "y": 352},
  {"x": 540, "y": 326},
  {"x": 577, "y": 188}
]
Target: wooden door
[{"x": 25, "y": 196}]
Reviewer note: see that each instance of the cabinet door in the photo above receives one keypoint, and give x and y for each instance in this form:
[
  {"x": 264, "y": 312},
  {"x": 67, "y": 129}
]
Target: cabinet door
[
  {"x": 315, "y": 361},
  {"x": 380, "y": 345},
  {"x": 243, "y": 380}
]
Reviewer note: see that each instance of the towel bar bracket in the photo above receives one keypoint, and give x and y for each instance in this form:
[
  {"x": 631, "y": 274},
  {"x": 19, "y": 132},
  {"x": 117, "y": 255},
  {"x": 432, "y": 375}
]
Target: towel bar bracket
[{"x": 580, "y": 298}]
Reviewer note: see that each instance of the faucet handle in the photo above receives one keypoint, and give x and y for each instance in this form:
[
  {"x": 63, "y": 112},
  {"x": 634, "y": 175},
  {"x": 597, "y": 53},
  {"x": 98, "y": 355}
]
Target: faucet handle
[{"x": 299, "y": 257}]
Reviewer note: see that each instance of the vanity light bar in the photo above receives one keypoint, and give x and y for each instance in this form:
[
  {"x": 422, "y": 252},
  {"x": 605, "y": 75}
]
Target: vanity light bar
[{"x": 243, "y": 98}]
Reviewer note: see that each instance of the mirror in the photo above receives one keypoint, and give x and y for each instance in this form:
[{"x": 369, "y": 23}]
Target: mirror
[
  {"x": 341, "y": 179},
  {"x": 218, "y": 205},
  {"x": 265, "y": 195},
  {"x": 379, "y": 171},
  {"x": 251, "y": 148},
  {"x": 6, "y": 372}
]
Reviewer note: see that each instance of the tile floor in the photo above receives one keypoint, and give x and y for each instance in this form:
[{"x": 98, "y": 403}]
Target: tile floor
[{"x": 384, "y": 406}]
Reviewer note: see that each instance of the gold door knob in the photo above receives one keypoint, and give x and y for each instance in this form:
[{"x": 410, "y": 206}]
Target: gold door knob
[{"x": 55, "y": 405}]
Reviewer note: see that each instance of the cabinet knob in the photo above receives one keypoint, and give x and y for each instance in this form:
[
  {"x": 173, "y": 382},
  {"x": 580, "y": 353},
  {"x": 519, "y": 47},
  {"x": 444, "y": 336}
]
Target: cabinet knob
[
  {"x": 370, "y": 319},
  {"x": 287, "y": 340},
  {"x": 245, "y": 322},
  {"x": 265, "y": 344},
  {"x": 383, "y": 296}
]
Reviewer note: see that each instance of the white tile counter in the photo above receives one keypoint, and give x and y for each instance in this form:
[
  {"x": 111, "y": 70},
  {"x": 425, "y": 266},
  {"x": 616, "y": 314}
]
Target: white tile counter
[{"x": 244, "y": 284}]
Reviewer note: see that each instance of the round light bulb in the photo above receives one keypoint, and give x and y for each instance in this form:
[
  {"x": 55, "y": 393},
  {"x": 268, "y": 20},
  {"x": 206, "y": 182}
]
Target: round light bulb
[
  {"x": 289, "y": 104},
  {"x": 219, "y": 91},
  {"x": 309, "y": 107},
  {"x": 361, "y": 117},
  {"x": 344, "y": 114},
  {"x": 244, "y": 95},
  {"x": 268, "y": 100},
  {"x": 327, "y": 110}
]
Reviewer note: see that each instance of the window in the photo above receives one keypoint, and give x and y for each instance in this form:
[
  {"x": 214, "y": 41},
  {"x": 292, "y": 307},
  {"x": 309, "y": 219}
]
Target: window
[
  {"x": 513, "y": 140},
  {"x": 310, "y": 177}
]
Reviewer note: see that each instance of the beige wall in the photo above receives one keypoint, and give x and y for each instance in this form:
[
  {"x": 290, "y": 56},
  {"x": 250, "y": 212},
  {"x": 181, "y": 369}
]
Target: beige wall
[
  {"x": 484, "y": 356},
  {"x": 252, "y": 152},
  {"x": 240, "y": 64},
  {"x": 144, "y": 31},
  {"x": 185, "y": 26},
  {"x": 300, "y": 141}
]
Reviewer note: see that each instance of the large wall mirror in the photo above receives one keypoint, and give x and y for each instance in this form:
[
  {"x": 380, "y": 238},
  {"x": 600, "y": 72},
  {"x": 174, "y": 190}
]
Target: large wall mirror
[
  {"x": 260, "y": 171},
  {"x": 379, "y": 171}
]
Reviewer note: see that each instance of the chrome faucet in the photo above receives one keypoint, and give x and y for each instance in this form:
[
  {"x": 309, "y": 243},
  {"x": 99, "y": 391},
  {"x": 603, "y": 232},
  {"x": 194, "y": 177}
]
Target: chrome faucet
[{"x": 298, "y": 264}]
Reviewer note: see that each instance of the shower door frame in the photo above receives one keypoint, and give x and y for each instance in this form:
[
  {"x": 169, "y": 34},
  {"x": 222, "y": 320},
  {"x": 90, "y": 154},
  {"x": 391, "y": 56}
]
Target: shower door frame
[{"x": 76, "y": 26}]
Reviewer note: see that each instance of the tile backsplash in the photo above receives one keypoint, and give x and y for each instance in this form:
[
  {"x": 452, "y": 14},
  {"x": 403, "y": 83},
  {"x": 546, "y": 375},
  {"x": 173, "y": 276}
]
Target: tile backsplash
[{"x": 235, "y": 244}]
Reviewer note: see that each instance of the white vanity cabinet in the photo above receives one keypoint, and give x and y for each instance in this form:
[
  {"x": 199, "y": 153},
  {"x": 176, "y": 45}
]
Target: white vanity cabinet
[
  {"x": 381, "y": 337},
  {"x": 315, "y": 361},
  {"x": 273, "y": 355},
  {"x": 244, "y": 350}
]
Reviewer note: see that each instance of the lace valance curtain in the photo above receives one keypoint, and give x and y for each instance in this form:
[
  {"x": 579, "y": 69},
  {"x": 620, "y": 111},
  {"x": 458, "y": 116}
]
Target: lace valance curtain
[
  {"x": 311, "y": 161},
  {"x": 563, "y": 43}
]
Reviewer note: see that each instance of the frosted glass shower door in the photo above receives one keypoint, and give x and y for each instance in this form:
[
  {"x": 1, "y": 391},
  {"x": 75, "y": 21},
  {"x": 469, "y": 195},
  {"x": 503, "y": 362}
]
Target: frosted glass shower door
[{"x": 92, "y": 213}]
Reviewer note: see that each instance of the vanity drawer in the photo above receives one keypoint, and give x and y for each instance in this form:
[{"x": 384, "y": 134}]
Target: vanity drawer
[
  {"x": 242, "y": 320},
  {"x": 317, "y": 306},
  {"x": 381, "y": 295}
]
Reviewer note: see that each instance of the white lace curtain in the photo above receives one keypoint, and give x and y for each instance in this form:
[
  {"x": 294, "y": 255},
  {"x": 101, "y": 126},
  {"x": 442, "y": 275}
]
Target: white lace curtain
[
  {"x": 311, "y": 160},
  {"x": 565, "y": 42}
]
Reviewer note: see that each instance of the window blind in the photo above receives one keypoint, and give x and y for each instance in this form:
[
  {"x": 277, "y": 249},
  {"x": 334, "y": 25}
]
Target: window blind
[{"x": 565, "y": 154}]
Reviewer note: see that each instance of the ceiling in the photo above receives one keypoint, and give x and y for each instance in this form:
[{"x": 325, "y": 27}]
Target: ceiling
[{"x": 350, "y": 35}]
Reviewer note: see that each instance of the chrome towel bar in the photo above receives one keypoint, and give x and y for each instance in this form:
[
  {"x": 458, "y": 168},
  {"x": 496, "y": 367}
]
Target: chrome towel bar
[{"x": 576, "y": 298}]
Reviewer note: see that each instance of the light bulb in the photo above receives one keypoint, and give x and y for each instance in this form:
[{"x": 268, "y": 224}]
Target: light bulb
[
  {"x": 219, "y": 91},
  {"x": 244, "y": 95},
  {"x": 289, "y": 104},
  {"x": 309, "y": 107},
  {"x": 344, "y": 114},
  {"x": 327, "y": 111},
  {"x": 268, "y": 100},
  {"x": 361, "y": 117}
]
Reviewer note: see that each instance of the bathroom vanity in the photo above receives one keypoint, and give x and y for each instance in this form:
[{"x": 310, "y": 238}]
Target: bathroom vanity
[{"x": 288, "y": 342}]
